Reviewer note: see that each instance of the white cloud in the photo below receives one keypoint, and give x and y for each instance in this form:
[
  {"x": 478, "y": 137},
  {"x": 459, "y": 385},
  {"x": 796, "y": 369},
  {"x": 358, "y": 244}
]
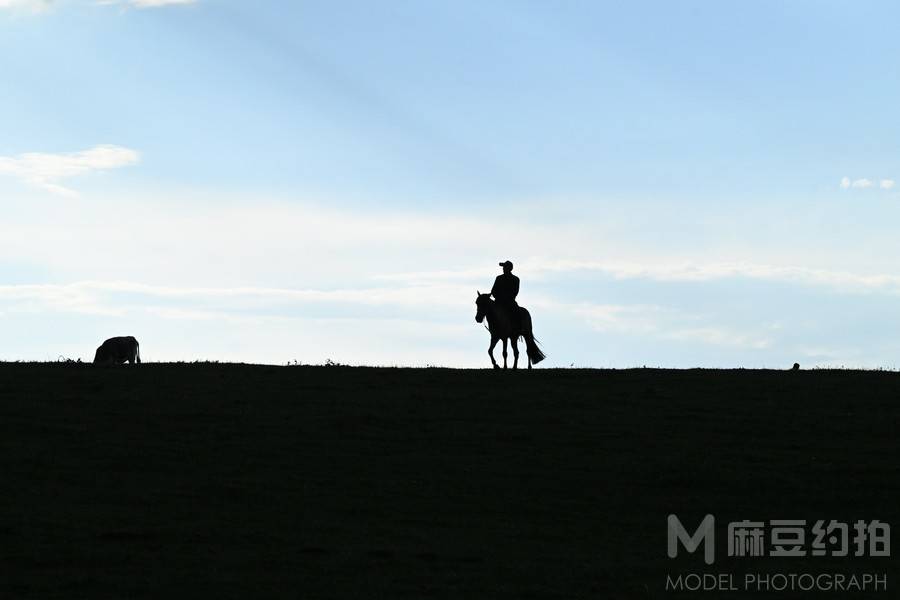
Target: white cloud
[
  {"x": 663, "y": 323},
  {"x": 615, "y": 318},
  {"x": 217, "y": 258},
  {"x": 719, "y": 336},
  {"x": 25, "y": 5},
  {"x": 697, "y": 272},
  {"x": 864, "y": 183},
  {"x": 218, "y": 268},
  {"x": 243, "y": 324},
  {"x": 281, "y": 244},
  {"x": 434, "y": 295},
  {"x": 147, "y": 3},
  {"x": 157, "y": 3},
  {"x": 37, "y": 6},
  {"x": 435, "y": 305},
  {"x": 46, "y": 170}
]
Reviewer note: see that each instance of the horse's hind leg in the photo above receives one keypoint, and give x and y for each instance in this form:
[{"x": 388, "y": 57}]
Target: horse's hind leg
[
  {"x": 515, "y": 346},
  {"x": 491, "y": 352},
  {"x": 504, "y": 353}
]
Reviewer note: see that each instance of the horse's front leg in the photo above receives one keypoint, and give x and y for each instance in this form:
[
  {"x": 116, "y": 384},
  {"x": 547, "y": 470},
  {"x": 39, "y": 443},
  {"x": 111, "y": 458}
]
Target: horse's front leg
[
  {"x": 491, "y": 352},
  {"x": 515, "y": 346},
  {"x": 504, "y": 353}
]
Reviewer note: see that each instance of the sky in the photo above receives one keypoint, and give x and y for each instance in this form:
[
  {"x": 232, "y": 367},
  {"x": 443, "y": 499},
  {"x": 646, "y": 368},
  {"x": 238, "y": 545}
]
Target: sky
[{"x": 690, "y": 184}]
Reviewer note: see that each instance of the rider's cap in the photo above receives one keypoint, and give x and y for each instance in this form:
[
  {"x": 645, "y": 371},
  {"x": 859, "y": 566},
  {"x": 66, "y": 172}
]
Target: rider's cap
[{"x": 506, "y": 264}]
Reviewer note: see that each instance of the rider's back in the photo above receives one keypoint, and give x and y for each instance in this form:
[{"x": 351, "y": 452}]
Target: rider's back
[{"x": 506, "y": 288}]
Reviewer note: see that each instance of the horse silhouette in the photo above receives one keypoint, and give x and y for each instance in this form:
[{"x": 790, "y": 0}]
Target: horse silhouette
[{"x": 503, "y": 327}]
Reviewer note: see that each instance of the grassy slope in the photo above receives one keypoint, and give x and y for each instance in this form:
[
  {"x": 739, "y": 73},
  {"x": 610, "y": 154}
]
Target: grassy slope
[{"x": 308, "y": 482}]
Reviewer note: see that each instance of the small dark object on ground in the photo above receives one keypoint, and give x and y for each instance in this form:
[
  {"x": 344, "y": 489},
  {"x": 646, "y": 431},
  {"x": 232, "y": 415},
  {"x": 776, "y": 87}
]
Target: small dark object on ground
[{"x": 796, "y": 367}]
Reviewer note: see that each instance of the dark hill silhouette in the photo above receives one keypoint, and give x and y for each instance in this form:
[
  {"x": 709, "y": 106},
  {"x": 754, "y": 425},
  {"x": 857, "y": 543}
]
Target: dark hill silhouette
[{"x": 237, "y": 481}]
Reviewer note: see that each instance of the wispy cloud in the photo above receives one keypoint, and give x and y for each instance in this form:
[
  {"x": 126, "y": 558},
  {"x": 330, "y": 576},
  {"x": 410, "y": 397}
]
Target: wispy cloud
[
  {"x": 428, "y": 303},
  {"x": 864, "y": 183},
  {"x": 615, "y": 318},
  {"x": 106, "y": 297},
  {"x": 38, "y": 6},
  {"x": 47, "y": 170},
  {"x": 25, "y": 5},
  {"x": 663, "y": 271},
  {"x": 349, "y": 324},
  {"x": 157, "y": 3},
  {"x": 663, "y": 323},
  {"x": 147, "y": 3},
  {"x": 719, "y": 336}
]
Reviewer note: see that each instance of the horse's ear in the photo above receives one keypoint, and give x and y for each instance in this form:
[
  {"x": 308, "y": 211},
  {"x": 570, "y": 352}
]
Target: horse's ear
[{"x": 477, "y": 292}]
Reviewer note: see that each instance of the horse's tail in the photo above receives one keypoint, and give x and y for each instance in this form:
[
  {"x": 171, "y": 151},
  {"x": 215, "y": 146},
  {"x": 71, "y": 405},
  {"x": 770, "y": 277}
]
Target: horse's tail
[
  {"x": 534, "y": 352},
  {"x": 531, "y": 344}
]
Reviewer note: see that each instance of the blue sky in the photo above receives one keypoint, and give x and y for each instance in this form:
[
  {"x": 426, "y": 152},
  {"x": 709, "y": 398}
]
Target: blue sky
[{"x": 679, "y": 184}]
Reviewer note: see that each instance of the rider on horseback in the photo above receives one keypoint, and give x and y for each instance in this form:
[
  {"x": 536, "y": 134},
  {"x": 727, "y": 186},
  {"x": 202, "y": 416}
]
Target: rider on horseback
[
  {"x": 506, "y": 320},
  {"x": 505, "y": 290}
]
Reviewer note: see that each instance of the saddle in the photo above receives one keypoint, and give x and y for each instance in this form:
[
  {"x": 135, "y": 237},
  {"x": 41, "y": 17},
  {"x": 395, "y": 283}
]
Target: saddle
[{"x": 513, "y": 315}]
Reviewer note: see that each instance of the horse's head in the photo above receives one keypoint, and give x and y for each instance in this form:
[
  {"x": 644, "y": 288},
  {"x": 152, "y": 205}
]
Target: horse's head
[{"x": 483, "y": 302}]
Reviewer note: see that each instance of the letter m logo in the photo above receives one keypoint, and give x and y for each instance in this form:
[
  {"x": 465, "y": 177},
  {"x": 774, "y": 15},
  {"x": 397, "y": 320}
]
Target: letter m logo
[{"x": 705, "y": 535}]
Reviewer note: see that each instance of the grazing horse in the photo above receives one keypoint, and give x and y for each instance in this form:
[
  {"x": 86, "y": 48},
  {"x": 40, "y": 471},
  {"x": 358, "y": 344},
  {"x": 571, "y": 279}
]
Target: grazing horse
[
  {"x": 502, "y": 327},
  {"x": 117, "y": 351}
]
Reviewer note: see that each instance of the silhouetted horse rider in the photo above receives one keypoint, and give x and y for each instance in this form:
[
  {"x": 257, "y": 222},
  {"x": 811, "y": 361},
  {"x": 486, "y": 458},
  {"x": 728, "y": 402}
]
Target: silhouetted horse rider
[
  {"x": 506, "y": 320},
  {"x": 505, "y": 290}
]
